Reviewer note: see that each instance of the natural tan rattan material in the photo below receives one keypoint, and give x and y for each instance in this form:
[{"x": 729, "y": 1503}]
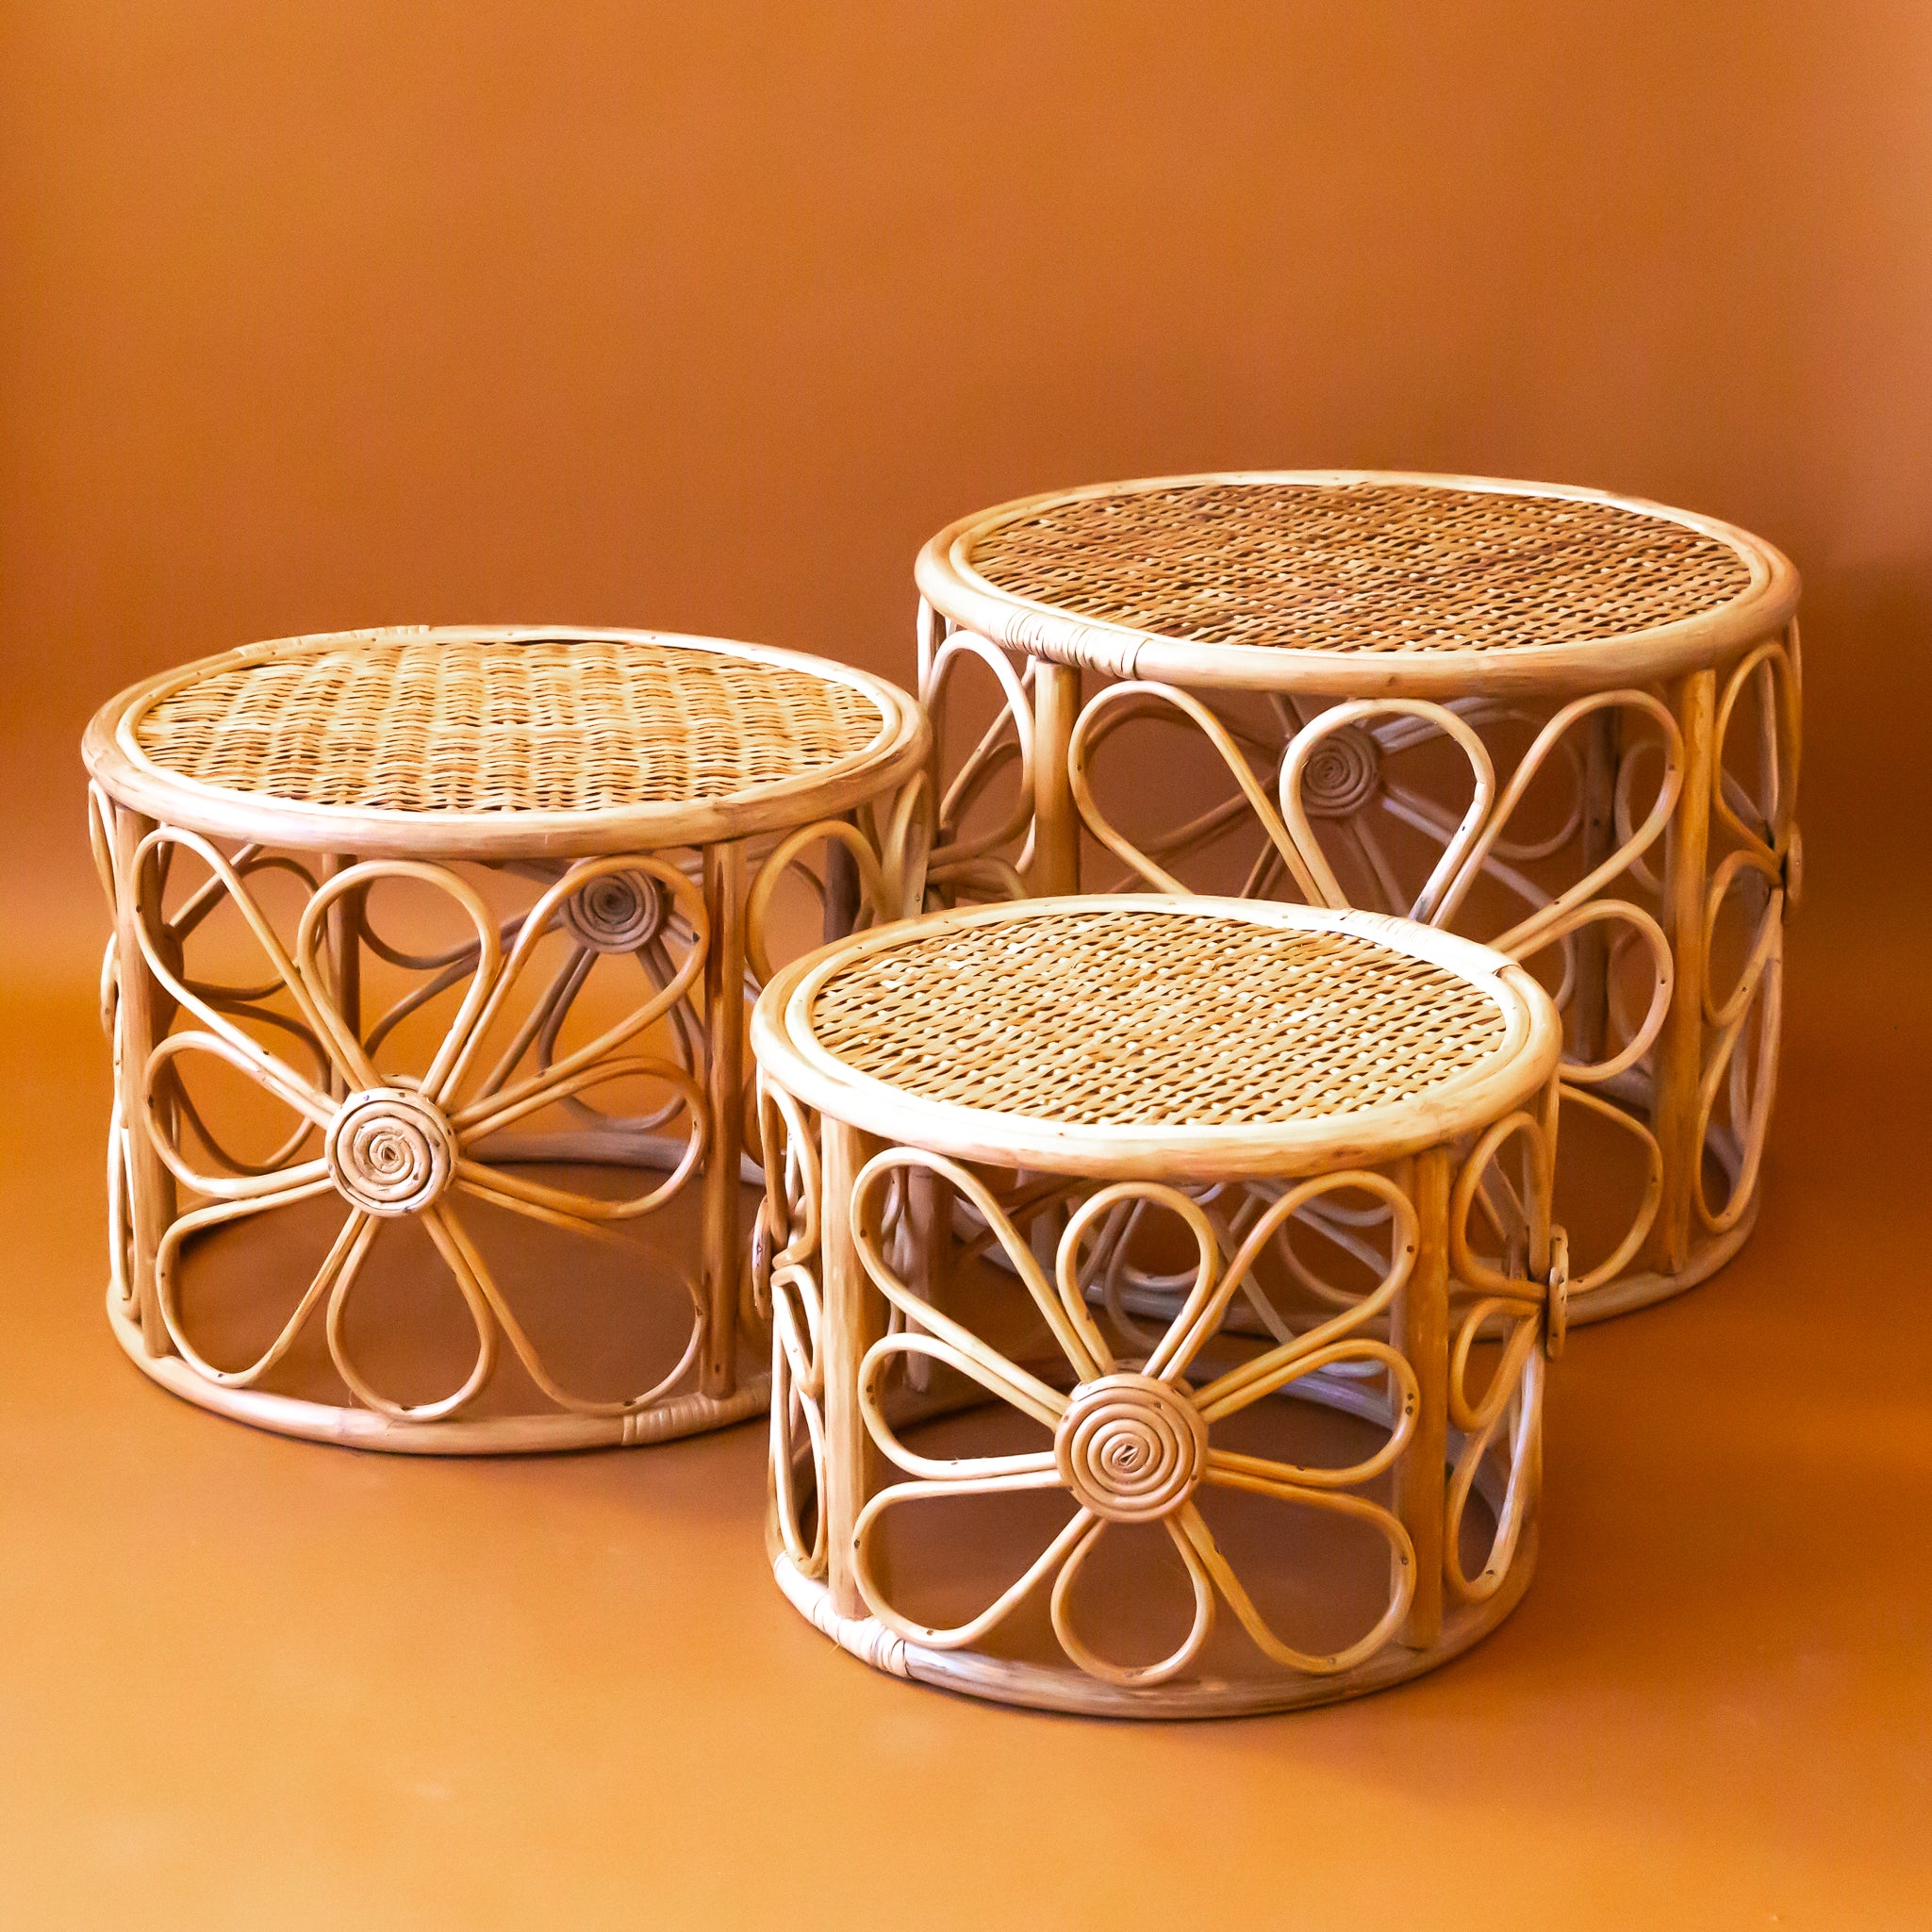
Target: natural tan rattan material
[
  {"x": 553, "y": 725},
  {"x": 1345, "y": 582},
  {"x": 1159, "y": 1033},
  {"x": 609, "y": 828},
  {"x": 1385, "y": 1084},
  {"x": 1359, "y": 565},
  {"x": 1518, "y": 666},
  {"x": 1122, "y": 1019},
  {"x": 446, "y": 740}
]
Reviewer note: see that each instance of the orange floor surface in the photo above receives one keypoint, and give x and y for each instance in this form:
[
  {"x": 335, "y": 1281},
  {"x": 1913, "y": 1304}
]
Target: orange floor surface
[{"x": 249, "y": 1682}]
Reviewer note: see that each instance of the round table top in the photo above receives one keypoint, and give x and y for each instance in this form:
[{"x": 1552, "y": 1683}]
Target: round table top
[
  {"x": 1131, "y": 1035},
  {"x": 498, "y": 742},
  {"x": 1359, "y": 583}
]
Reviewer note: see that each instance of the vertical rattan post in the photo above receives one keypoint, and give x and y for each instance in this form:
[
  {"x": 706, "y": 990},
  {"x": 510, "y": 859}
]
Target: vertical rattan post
[
  {"x": 1680, "y": 1046},
  {"x": 854, "y": 1320},
  {"x": 929, "y": 1204},
  {"x": 841, "y": 890},
  {"x": 141, "y": 1019},
  {"x": 725, "y": 1027},
  {"x": 929, "y": 1220},
  {"x": 1056, "y": 845},
  {"x": 933, "y": 631},
  {"x": 1589, "y": 1000},
  {"x": 345, "y": 951},
  {"x": 1421, "y": 1332},
  {"x": 1056, "y": 821},
  {"x": 1541, "y": 1204}
]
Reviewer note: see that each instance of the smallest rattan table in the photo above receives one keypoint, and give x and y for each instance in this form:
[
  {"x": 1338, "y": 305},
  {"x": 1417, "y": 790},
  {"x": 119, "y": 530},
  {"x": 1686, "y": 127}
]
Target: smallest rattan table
[
  {"x": 1219, "y": 1150},
  {"x": 427, "y": 940}
]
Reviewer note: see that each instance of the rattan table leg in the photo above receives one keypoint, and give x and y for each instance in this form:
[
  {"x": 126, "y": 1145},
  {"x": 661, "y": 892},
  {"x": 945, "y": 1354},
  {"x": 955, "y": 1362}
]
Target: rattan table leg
[
  {"x": 854, "y": 1318},
  {"x": 143, "y": 1015},
  {"x": 1588, "y": 1014},
  {"x": 1680, "y": 1046},
  {"x": 1420, "y": 1330},
  {"x": 842, "y": 890},
  {"x": 725, "y": 1025},
  {"x": 929, "y": 1214},
  {"x": 1056, "y": 821},
  {"x": 346, "y": 952}
]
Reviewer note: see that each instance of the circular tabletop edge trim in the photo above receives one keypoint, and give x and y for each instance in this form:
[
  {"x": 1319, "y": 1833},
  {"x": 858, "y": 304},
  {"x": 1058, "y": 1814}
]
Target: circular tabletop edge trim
[
  {"x": 117, "y": 765},
  {"x": 956, "y": 591},
  {"x": 1529, "y": 1055}
]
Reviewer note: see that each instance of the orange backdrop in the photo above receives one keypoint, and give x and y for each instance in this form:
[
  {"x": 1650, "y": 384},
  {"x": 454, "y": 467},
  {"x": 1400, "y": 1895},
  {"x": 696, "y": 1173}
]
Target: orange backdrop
[{"x": 706, "y": 317}]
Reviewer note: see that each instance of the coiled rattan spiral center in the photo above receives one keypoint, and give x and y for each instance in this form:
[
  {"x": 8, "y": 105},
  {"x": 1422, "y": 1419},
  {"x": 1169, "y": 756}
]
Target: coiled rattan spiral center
[
  {"x": 390, "y": 1152},
  {"x": 1131, "y": 1448},
  {"x": 1343, "y": 773},
  {"x": 615, "y": 911}
]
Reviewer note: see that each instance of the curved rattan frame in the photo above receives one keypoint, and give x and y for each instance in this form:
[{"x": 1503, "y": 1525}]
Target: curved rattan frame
[
  {"x": 612, "y": 882},
  {"x": 867, "y": 1215},
  {"x": 117, "y": 762},
  {"x": 1729, "y": 680},
  {"x": 949, "y": 584}
]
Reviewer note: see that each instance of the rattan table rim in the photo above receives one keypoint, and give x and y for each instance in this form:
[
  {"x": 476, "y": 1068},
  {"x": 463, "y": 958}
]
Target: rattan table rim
[
  {"x": 955, "y": 590},
  {"x": 781, "y": 1040},
  {"x": 116, "y": 761}
]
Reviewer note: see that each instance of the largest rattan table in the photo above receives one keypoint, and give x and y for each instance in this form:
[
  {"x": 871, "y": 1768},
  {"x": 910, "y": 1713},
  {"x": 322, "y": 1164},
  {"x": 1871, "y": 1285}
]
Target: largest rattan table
[
  {"x": 445, "y": 901},
  {"x": 1562, "y": 722}
]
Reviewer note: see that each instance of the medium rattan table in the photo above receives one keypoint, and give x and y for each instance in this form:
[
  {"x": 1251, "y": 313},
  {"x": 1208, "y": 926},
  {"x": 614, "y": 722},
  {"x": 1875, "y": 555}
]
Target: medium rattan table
[
  {"x": 1041, "y": 1483},
  {"x": 1562, "y": 722},
  {"x": 450, "y": 904}
]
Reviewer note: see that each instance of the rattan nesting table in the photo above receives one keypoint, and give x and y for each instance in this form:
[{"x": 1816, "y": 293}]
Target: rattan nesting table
[
  {"x": 1562, "y": 722},
  {"x": 1099, "y": 1093},
  {"x": 452, "y": 906}
]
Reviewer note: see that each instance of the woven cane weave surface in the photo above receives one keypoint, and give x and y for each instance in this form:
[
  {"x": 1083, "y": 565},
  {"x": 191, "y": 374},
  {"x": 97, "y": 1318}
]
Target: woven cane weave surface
[
  {"x": 1357, "y": 567},
  {"x": 1125, "y": 1018},
  {"x": 545, "y": 725}
]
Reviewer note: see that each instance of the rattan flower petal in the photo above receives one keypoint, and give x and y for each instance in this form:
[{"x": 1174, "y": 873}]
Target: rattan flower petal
[
  {"x": 1131, "y": 1440},
  {"x": 395, "y": 1145}
]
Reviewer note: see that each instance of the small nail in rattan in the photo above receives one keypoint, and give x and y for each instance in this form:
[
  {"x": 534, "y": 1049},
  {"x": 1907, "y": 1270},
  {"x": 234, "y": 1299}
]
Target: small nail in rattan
[
  {"x": 1160, "y": 1290},
  {"x": 463, "y": 913},
  {"x": 1562, "y": 722}
]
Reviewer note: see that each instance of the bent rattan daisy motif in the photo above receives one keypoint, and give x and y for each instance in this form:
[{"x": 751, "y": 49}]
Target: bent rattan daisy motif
[
  {"x": 1268, "y": 597},
  {"x": 547, "y": 763},
  {"x": 1341, "y": 767},
  {"x": 1134, "y": 1440},
  {"x": 1040, "y": 1163},
  {"x": 389, "y": 1144}
]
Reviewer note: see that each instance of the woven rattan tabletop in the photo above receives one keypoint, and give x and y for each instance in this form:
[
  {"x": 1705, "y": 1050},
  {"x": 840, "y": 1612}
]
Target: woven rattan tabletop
[
  {"x": 1131, "y": 1033},
  {"x": 502, "y": 742},
  {"x": 1358, "y": 583}
]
